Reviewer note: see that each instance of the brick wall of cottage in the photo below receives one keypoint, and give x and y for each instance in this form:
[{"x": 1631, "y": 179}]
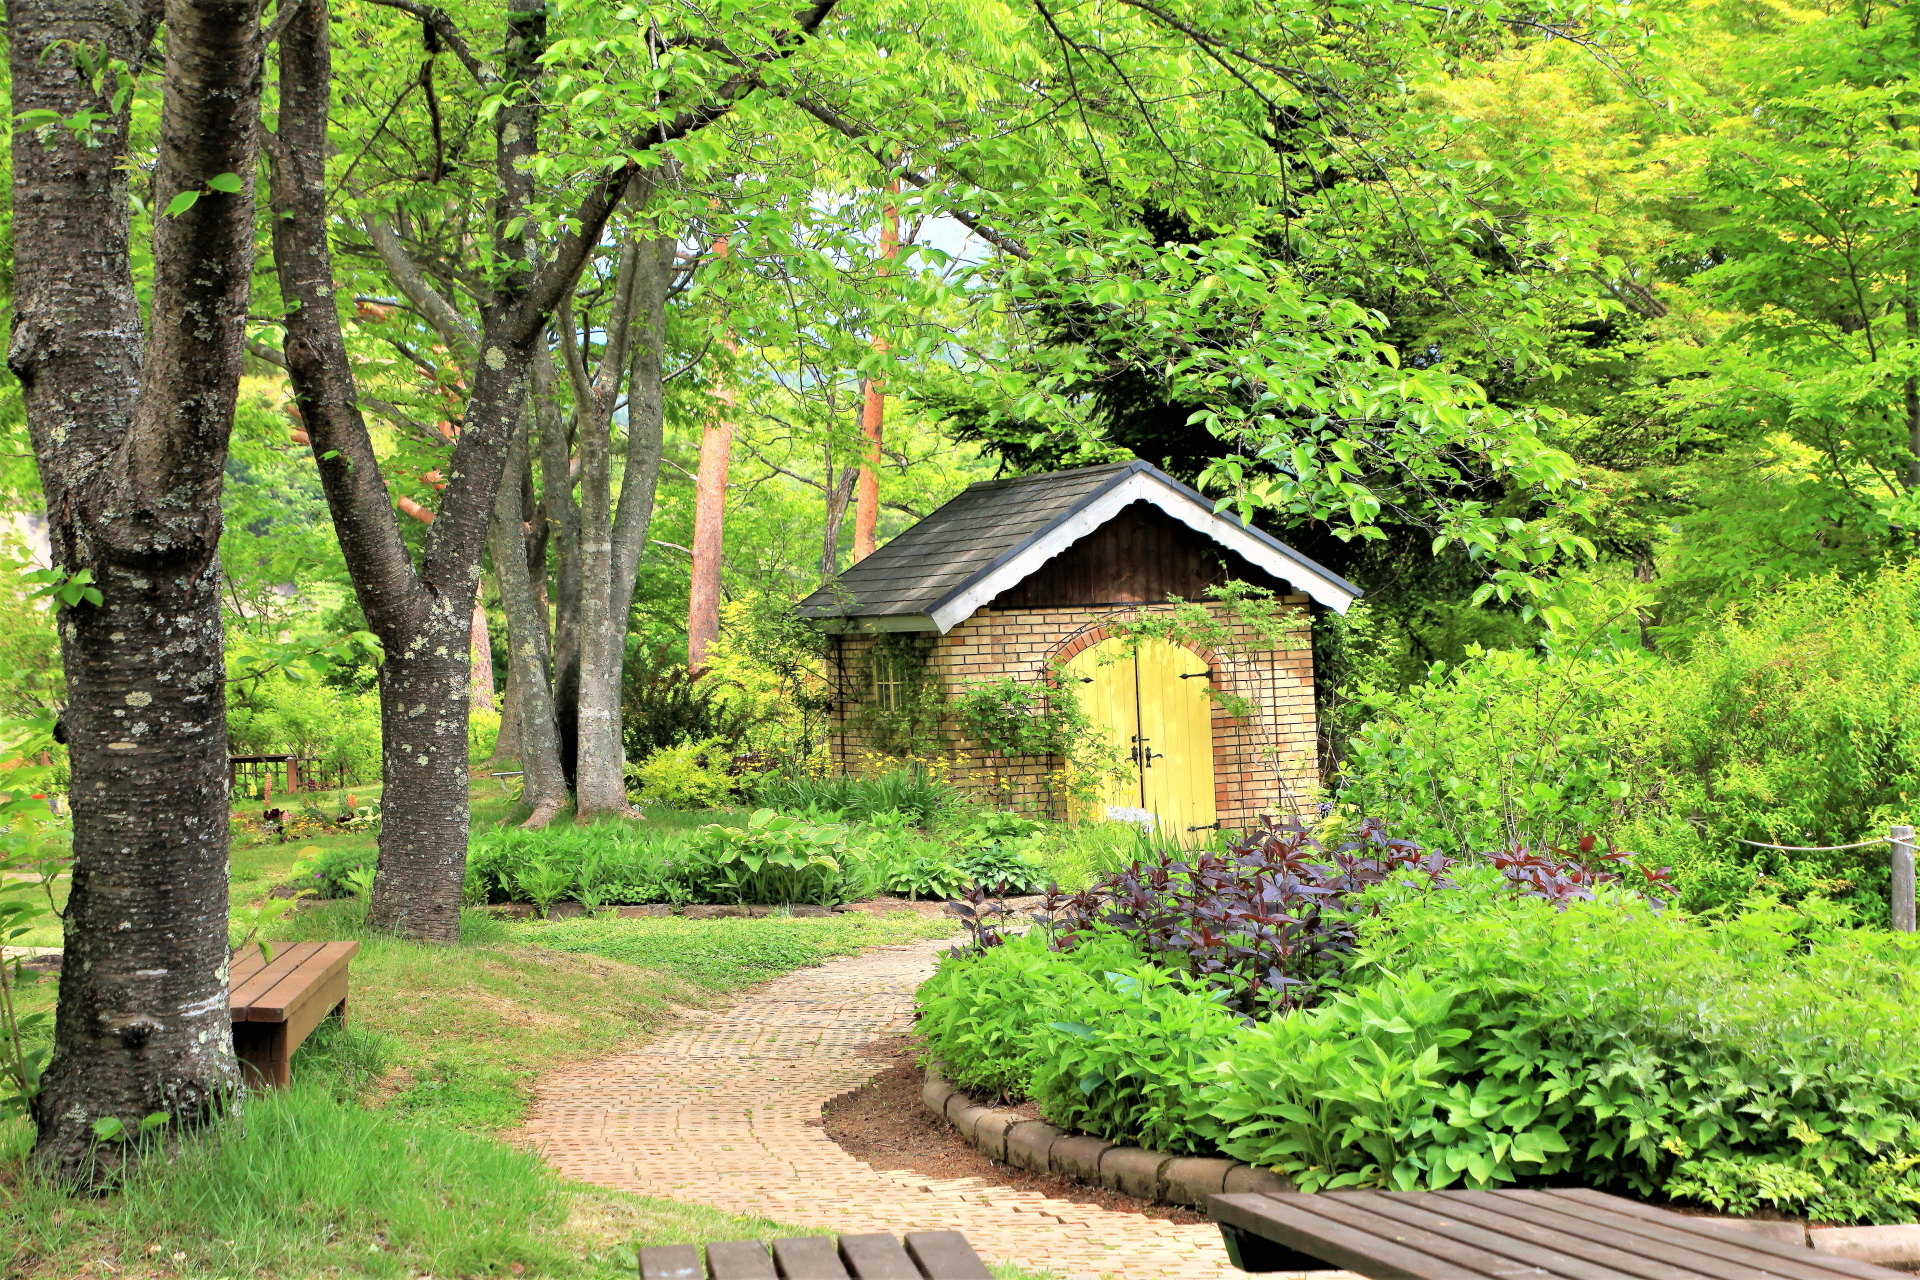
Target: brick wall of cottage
[{"x": 1263, "y": 763}]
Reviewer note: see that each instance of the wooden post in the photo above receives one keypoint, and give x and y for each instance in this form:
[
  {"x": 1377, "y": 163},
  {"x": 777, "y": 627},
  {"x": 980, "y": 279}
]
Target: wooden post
[
  {"x": 1903, "y": 879},
  {"x": 293, "y": 775}
]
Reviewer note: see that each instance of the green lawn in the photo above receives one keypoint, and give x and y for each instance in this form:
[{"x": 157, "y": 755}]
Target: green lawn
[{"x": 384, "y": 1159}]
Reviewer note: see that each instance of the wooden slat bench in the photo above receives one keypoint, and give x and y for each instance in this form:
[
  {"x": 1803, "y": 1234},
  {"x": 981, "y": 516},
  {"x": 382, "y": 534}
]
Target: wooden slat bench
[
  {"x": 1471, "y": 1235},
  {"x": 278, "y": 1001},
  {"x": 923, "y": 1255}
]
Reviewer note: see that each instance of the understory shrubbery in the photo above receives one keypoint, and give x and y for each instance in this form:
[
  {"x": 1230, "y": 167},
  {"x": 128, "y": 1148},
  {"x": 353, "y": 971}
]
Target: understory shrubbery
[
  {"x": 1461, "y": 1026},
  {"x": 1792, "y": 723},
  {"x": 765, "y": 858}
]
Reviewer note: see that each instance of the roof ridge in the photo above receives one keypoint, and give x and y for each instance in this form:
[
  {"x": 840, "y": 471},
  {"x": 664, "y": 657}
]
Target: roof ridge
[{"x": 1004, "y": 482}]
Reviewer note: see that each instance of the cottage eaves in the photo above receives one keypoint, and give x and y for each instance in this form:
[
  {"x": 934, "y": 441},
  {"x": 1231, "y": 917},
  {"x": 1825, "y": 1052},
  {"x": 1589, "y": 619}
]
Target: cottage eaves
[{"x": 994, "y": 534}]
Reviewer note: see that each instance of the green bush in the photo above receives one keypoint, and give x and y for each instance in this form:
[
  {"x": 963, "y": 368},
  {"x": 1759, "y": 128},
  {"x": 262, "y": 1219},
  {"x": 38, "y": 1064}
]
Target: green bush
[
  {"x": 334, "y": 873},
  {"x": 692, "y": 775},
  {"x": 771, "y": 860},
  {"x": 1793, "y": 722},
  {"x": 1768, "y": 1056},
  {"x": 608, "y": 862},
  {"x": 925, "y": 799}
]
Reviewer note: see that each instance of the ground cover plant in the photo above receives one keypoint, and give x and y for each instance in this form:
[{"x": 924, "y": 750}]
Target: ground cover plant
[{"x": 1466, "y": 1024}]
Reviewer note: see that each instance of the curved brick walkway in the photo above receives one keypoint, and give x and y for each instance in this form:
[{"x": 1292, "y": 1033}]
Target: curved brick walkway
[{"x": 723, "y": 1108}]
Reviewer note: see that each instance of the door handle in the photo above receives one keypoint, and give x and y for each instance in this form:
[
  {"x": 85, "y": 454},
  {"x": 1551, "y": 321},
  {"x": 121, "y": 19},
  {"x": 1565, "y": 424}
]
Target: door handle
[{"x": 1199, "y": 675}]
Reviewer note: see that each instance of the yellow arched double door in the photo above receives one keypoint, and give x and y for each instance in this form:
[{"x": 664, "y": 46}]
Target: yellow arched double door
[{"x": 1151, "y": 698}]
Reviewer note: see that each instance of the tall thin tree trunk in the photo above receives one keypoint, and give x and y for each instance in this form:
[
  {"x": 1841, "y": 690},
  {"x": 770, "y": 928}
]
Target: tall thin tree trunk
[
  {"x": 131, "y": 445},
  {"x": 873, "y": 404},
  {"x": 543, "y": 783},
  {"x": 709, "y": 534},
  {"x": 481, "y": 643},
  {"x": 563, "y": 545},
  {"x": 839, "y": 493},
  {"x": 607, "y": 577}
]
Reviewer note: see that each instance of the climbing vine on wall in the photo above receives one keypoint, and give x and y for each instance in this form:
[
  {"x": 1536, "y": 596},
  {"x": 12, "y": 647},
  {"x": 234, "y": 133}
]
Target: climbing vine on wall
[
  {"x": 896, "y": 695},
  {"x": 1040, "y": 718},
  {"x": 1235, "y": 620}
]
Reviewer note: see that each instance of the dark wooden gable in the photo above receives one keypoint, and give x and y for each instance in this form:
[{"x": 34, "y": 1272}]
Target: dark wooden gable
[{"x": 1141, "y": 555}]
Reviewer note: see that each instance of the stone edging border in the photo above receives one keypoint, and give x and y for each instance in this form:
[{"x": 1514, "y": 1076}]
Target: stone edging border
[
  {"x": 1187, "y": 1181},
  {"x": 1039, "y": 1147}
]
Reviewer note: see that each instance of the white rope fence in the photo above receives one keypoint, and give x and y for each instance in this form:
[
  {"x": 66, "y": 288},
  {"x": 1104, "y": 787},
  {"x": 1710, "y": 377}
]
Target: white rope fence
[{"x": 1902, "y": 893}]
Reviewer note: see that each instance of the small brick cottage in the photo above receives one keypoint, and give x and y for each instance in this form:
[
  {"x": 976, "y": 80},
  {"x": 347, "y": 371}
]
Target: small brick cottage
[{"x": 1014, "y": 578}]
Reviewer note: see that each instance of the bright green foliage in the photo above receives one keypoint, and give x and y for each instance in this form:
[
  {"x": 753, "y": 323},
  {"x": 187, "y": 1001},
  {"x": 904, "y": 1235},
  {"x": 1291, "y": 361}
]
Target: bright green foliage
[
  {"x": 986, "y": 1018},
  {"x": 608, "y": 862},
  {"x": 328, "y": 728},
  {"x": 772, "y": 859},
  {"x": 689, "y": 775},
  {"x": 914, "y": 792},
  {"x": 1483, "y": 1039},
  {"x": 1792, "y": 722}
]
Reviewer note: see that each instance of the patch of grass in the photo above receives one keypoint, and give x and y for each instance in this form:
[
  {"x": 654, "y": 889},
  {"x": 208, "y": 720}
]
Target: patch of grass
[
  {"x": 299, "y": 1185},
  {"x": 463, "y": 1031},
  {"x": 725, "y": 955}
]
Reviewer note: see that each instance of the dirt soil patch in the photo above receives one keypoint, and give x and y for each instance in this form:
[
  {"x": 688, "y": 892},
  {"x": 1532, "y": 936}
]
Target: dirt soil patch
[{"x": 885, "y": 1124}]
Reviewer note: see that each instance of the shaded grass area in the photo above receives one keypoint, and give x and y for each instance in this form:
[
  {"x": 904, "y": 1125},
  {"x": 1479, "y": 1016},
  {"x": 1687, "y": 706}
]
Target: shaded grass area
[{"x": 382, "y": 1160}]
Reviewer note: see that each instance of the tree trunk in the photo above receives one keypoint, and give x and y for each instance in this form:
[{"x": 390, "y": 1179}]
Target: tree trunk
[
  {"x": 481, "y": 642},
  {"x": 839, "y": 492},
  {"x": 543, "y": 784},
  {"x": 873, "y": 405},
  {"x": 563, "y": 544},
  {"x": 131, "y": 457},
  {"x": 709, "y": 536},
  {"x": 611, "y": 542}
]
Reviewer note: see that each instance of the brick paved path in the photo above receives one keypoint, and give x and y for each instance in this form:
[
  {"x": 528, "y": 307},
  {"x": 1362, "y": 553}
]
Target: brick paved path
[{"x": 723, "y": 1109}]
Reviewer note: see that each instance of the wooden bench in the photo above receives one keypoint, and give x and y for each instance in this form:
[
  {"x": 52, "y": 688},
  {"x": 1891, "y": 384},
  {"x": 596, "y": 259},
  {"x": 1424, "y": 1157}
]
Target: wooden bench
[
  {"x": 923, "y": 1255},
  {"x": 278, "y": 1002},
  {"x": 1470, "y": 1235}
]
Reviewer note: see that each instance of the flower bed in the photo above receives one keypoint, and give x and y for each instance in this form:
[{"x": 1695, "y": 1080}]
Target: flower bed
[{"x": 1372, "y": 1016}]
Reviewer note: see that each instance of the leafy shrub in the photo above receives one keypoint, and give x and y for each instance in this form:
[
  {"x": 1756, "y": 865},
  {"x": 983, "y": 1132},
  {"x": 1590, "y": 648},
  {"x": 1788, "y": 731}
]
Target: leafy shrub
[
  {"x": 922, "y": 869},
  {"x": 985, "y": 1015},
  {"x": 663, "y": 705},
  {"x": 773, "y": 860},
  {"x": 1000, "y": 869},
  {"x": 1790, "y": 722},
  {"x": 916, "y": 793},
  {"x": 333, "y": 873},
  {"x": 607, "y": 862},
  {"x": 1273, "y": 917},
  {"x": 1767, "y": 1057},
  {"x": 692, "y": 775}
]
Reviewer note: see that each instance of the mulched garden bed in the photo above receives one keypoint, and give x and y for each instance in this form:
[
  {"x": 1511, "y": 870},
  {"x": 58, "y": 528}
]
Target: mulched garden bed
[{"x": 883, "y": 1123}]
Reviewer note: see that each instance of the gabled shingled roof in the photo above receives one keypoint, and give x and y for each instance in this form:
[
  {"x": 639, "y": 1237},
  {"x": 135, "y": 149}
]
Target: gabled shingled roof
[{"x": 993, "y": 534}]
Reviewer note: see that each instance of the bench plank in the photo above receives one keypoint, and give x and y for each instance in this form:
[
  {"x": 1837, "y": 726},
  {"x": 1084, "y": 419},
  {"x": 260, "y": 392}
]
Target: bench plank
[
  {"x": 946, "y": 1255},
  {"x": 1573, "y": 1252},
  {"x": 1696, "y": 1253},
  {"x": 264, "y": 979},
  {"x": 671, "y": 1262},
  {"x": 1569, "y": 1234},
  {"x": 808, "y": 1258},
  {"x": 877, "y": 1256},
  {"x": 739, "y": 1260},
  {"x": 278, "y": 1002},
  {"x": 1292, "y": 1223},
  {"x": 1586, "y": 1199},
  {"x": 1482, "y": 1251}
]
